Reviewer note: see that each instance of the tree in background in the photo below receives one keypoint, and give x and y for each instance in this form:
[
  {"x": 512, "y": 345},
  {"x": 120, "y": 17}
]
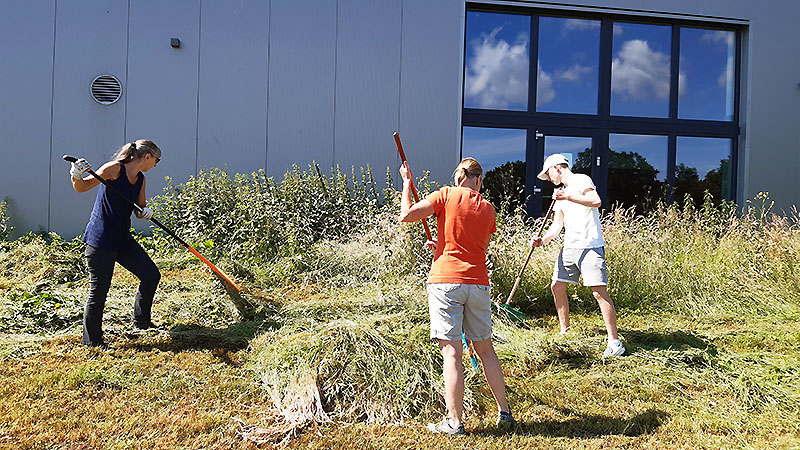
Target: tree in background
[{"x": 504, "y": 187}]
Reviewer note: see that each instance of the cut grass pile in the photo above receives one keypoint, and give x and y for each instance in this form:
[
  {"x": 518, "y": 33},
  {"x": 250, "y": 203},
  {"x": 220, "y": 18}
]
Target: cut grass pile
[{"x": 708, "y": 307}]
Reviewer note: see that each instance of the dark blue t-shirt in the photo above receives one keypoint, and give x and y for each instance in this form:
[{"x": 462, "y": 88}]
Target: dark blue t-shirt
[{"x": 109, "y": 227}]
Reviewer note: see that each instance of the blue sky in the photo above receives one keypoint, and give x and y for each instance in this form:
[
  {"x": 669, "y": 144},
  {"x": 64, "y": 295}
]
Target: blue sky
[
  {"x": 568, "y": 65},
  {"x": 493, "y": 147},
  {"x": 704, "y": 154},
  {"x": 652, "y": 148}
]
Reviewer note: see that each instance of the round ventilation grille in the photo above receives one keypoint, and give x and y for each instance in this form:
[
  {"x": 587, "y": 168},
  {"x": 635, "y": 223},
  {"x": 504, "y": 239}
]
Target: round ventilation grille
[{"x": 106, "y": 89}]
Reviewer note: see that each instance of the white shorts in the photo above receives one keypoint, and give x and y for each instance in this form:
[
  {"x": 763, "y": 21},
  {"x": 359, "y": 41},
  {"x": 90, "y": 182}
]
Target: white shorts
[
  {"x": 572, "y": 263},
  {"x": 455, "y": 307}
]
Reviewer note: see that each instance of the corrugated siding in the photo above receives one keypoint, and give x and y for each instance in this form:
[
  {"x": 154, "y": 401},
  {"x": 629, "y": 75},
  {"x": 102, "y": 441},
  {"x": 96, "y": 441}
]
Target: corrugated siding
[
  {"x": 301, "y": 84},
  {"x": 232, "y": 121},
  {"x": 430, "y": 90},
  {"x": 162, "y": 86},
  {"x": 26, "y": 74},
  {"x": 367, "y": 85},
  {"x": 81, "y": 126}
]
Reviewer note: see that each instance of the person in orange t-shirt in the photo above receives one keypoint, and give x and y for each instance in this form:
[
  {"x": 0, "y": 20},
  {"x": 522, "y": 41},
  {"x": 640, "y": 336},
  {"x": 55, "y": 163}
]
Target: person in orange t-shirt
[{"x": 458, "y": 284}]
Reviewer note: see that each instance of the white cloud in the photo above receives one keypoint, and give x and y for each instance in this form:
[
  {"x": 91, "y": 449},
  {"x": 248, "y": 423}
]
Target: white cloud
[
  {"x": 545, "y": 92},
  {"x": 640, "y": 73},
  {"x": 719, "y": 36},
  {"x": 579, "y": 24},
  {"x": 574, "y": 73},
  {"x": 618, "y": 30},
  {"x": 497, "y": 74},
  {"x": 722, "y": 81}
]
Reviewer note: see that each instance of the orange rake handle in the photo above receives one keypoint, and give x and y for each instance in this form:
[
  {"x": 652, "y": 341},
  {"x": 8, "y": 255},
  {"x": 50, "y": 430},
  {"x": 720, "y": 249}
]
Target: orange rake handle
[
  {"x": 212, "y": 267},
  {"x": 413, "y": 189}
]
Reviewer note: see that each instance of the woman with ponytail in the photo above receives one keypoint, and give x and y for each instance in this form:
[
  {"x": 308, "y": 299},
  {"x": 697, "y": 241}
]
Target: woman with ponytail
[
  {"x": 458, "y": 285},
  {"x": 108, "y": 238}
]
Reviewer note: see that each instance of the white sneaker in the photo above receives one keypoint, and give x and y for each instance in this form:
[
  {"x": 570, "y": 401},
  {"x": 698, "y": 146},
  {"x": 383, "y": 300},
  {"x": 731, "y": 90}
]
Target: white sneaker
[{"x": 614, "y": 349}]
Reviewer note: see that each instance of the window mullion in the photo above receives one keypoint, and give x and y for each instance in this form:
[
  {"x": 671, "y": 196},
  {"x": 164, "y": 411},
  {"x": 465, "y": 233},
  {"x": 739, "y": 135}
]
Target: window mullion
[
  {"x": 674, "y": 84},
  {"x": 533, "y": 65},
  {"x": 672, "y": 142},
  {"x": 604, "y": 70}
]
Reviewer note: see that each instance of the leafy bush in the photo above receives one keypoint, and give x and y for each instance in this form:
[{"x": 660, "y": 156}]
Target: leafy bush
[{"x": 254, "y": 219}]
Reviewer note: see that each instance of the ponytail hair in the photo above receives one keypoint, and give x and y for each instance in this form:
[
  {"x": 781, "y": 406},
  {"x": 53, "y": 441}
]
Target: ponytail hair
[
  {"x": 137, "y": 149},
  {"x": 468, "y": 167}
]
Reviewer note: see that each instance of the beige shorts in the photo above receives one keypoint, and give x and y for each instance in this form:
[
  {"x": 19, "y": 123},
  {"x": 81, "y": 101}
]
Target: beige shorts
[{"x": 455, "y": 307}]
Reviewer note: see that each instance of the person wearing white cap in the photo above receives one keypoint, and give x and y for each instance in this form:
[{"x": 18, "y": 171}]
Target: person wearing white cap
[{"x": 583, "y": 252}]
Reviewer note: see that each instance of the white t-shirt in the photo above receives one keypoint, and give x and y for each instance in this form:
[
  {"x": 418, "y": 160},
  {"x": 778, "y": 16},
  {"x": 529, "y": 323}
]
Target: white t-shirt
[{"x": 581, "y": 223}]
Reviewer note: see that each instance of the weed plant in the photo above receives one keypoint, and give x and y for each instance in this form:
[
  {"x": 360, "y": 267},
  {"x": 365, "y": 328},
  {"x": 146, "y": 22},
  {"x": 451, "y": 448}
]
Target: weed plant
[{"x": 5, "y": 228}]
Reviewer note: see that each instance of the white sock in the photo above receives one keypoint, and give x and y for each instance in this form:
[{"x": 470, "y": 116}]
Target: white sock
[{"x": 614, "y": 342}]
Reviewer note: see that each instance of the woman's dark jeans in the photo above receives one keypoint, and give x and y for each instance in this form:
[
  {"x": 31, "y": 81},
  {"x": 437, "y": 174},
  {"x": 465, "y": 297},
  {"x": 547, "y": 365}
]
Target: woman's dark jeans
[{"x": 101, "y": 268}]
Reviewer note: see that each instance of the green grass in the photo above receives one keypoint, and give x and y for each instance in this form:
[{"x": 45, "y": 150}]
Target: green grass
[{"x": 708, "y": 307}]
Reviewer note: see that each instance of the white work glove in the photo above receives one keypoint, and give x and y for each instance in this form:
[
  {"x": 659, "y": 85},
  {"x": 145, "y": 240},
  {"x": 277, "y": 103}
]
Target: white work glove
[
  {"x": 78, "y": 167},
  {"x": 146, "y": 213}
]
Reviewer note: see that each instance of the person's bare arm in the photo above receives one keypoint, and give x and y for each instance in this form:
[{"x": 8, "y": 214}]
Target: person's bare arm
[
  {"x": 109, "y": 171},
  {"x": 409, "y": 211}
]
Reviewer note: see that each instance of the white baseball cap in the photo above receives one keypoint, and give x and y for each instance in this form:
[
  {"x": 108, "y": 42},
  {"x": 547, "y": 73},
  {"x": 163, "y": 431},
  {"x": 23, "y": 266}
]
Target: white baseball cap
[{"x": 552, "y": 160}]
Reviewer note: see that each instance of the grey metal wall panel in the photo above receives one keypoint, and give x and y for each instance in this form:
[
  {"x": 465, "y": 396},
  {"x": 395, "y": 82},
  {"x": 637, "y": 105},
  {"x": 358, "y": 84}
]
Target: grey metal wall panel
[
  {"x": 430, "y": 86},
  {"x": 773, "y": 134},
  {"x": 232, "y": 114},
  {"x": 301, "y": 84},
  {"x": 367, "y": 84},
  {"x": 26, "y": 33},
  {"x": 81, "y": 126},
  {"x": 162, "y": 86}
]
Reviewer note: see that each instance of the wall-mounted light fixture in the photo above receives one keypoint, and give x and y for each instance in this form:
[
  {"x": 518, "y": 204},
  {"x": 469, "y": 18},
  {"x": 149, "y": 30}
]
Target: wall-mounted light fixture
[{"x": 175, "y": 43}]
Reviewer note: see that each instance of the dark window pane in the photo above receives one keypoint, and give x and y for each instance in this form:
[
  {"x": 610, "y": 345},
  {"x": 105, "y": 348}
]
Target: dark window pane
[
  {"x": 637, "y": 170},
  {"x": 501, "y": 153},
  {"x": 577, "y": 150},
  {"x": 703, "y": 164},
  {"x": 568, "y": 64},
  {"x": 706, "y": 83},
  {"x": 497, "y": 61},
  {"x": 640, "y": 70}
]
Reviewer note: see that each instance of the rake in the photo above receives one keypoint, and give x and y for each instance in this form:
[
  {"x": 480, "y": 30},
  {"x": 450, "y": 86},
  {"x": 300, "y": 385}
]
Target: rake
[{"x": 504, "y": 305}]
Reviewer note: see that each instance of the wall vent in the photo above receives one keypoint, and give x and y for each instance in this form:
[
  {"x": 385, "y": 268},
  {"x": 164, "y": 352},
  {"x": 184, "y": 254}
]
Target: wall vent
[{"x": 106, "y": 89}]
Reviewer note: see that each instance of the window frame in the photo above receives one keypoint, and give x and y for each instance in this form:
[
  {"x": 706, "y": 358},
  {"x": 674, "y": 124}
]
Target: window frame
[{"x": 604, "y": 123}]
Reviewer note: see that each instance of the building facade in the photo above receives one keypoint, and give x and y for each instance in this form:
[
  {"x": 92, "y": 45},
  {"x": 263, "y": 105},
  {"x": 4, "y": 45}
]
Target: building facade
[{"x": 655, "y": 99}]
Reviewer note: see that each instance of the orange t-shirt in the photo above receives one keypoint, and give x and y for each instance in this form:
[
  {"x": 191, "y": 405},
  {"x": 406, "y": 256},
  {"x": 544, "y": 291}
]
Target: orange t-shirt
[{"x": 465, "y": 222}]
